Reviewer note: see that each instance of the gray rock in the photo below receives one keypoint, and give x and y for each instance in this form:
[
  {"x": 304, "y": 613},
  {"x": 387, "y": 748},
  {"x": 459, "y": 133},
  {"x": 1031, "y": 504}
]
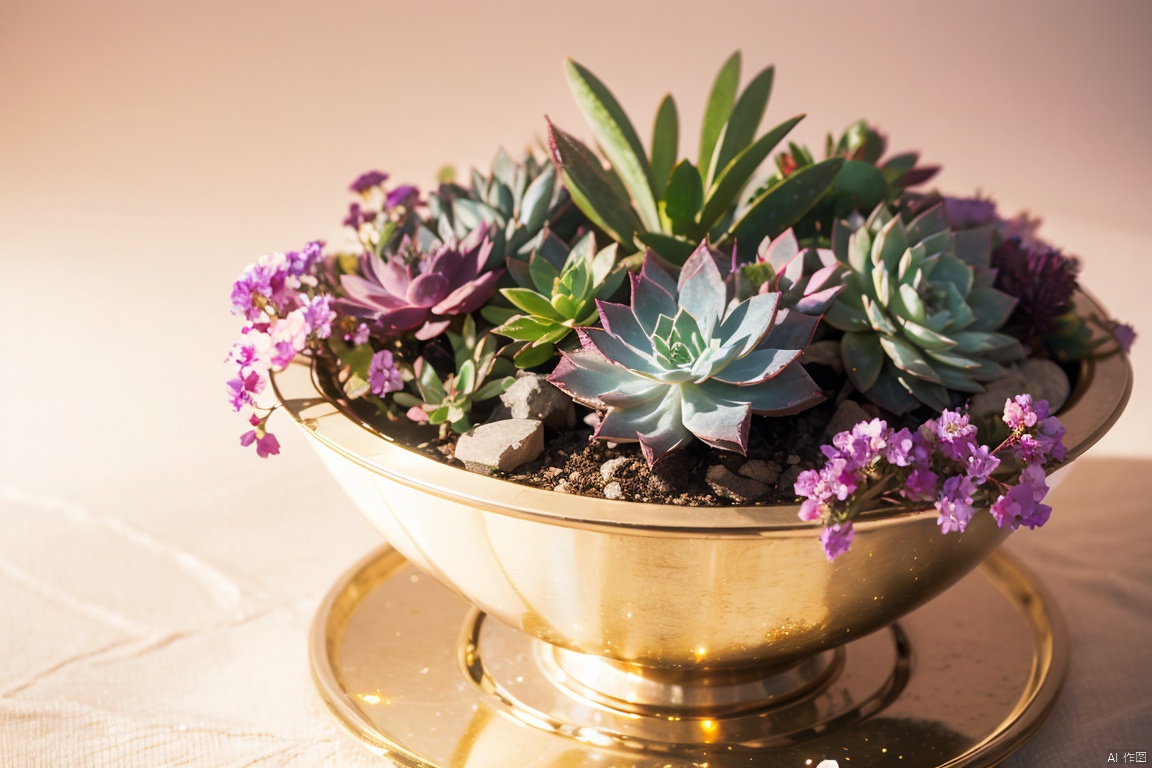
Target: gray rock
[
  {"x": 788, "y": 478},
  {"x": 613, "y": 491},
  {"x": 767, "y": 472},
  {"x": 561, "y": 487},
  {"x": 724, "y": 482},
  {"x": 502, "y": 445},
  {"x": 609, "y": 468},
  {"x": 532, "y": 397},
  {"x": 848, "y": 414},
  {"x": 1043, "y": 379}
]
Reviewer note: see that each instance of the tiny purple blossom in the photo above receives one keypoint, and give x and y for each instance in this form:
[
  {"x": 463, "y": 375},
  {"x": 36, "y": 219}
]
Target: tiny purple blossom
[
  {"x": 368, "y": 180},
  {"x": 836, "y": 539},
  {"x": 981, "y": 463},
  {"x": 864, "y": 443},
  {"x": 266, "y": 444},
  {"x": 955, "y": 504},
  {"x": 383, "y": 376},
  {"x": 1050, "y": 435},
  {"x": 1018, "y": 412},
  {"x": 920, "y": 485},
  {"x": 900, "y": 449},
  {"x": 955, "y": 434},
  {"x": 359, "y": 336},
  {"x": 1126, "y": 335},
  {"x": 241, "y": 389},
  {"x": 1021, "y": 505},
  {"x": 810, "y": 510},
  {"x": 318, "y": 315}
]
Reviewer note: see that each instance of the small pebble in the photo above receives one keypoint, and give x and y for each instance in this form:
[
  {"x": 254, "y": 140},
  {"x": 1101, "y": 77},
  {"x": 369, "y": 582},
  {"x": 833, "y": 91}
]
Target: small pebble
[
  {"x": 613, "y": 491},
  {"x": 724, "y": 482},
  {"x": 793, "y": 459},
  {"x": 609, "y": 468}
]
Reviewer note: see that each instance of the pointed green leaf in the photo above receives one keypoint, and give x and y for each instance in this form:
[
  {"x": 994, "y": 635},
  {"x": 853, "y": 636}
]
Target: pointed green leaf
[
  {"x": 783, "y": 205},
  {"x": 543, "y": 274},
  {"x": 734, "y": 177},
  {"x": 530, "y": 357},
  {"x": 498, "y": 315},
  {"x": 908, "y": 358},
  {"x": 466, "y": 378},
  {"x": 743, "y": 122},
  {"x": 719, "y": 108},
  {"x": 616, "y": 136},
  {"x": 524, "y": 328},
  {"x": 683, "y": 196},
  {"x": 595, "y": 190},
  {"x": 991, "y": 307},
  {"x": 531, "y": 302},
  {"x": 537, "y": 198},
  {"x": 665, "y": 142},
  {"x": 492, "y": 389}
]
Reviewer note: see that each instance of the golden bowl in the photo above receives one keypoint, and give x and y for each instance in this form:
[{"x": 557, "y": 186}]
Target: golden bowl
[{"x": 661, "y": 607}]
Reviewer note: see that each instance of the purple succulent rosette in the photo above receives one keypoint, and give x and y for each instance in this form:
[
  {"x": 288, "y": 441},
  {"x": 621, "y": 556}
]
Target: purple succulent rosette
[
  {"x": 685, "y": 362},
  {"x": 414, "y": 290},
  {"x": 942, "y": 462}
]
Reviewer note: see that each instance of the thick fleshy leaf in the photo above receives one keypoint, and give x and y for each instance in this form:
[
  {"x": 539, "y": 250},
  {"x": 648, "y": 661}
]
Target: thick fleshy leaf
[
  {"x": 907, "y": 358},
  {"x": 657, "y": 421},
  {"x": 532, "y": 355},
  {"x": 702, "y": 290},
  {"x": 720, "y": 423},
  {"x": 931, "y": 222},
  {"x": 427, "y": 290},
  {"x": 749, "y": 321},
  {"x": 889, "y": 393},
  {"x": 586, "y": 374},
  {"x": 542, "y": 273},
  {"x": 616, "y": 137},
  {"x": 863, "y": 358},
  {"x": 991, "y": 307},
  {"x": 843, "y": 317},
  {"x": 792, "y": 330},
  {"x": 602, "y": 264},
  {"x": 524, "y": 328},
  {"x": 595, "y": 191},
  {"x": 616, "y": 350},
  {"x": 923, "y": 337},
  {"x": 665, "y": 142},
  {"x": 730, "y": 180},
  {"x": 877, "y": 319},
  {"x": 683, "y": 196},
  {"x": 935, "y": 396},
  {"x": 361, "y": 290},
  {"x": 757, "y": 366},
  {"x": 721, "y": 99},
  {"x": 619, "y": 321},
  {"x": 819, "y": 302},
  {"x": 743, "y": 123},
  {"x": 782, "y": 205},
  {"x": 859, "y": 186},
  {"x": 889, "y": 246},
  {"x": 532, "y": 303},
  {"x": 789, "y": 392},
  {"x": 974, "y": 247},
  {"x": 471, "y": 296},
  {"x": 650, "y": 301},
  {"x": 537, "y": 199}
]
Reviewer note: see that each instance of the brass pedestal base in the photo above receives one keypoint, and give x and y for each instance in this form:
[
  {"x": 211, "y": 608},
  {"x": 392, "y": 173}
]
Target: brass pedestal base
[{"x": 418, "y": 675}]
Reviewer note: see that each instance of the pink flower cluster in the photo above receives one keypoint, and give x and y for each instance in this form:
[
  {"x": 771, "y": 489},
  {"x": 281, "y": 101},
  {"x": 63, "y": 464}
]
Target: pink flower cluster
[
  {"x": 941, "y": 462},
  {"x": 284, "y": 314}
]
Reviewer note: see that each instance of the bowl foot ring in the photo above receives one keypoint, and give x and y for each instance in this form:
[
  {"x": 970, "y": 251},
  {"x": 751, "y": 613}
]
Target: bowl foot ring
[{"x": 420, "y": 676}]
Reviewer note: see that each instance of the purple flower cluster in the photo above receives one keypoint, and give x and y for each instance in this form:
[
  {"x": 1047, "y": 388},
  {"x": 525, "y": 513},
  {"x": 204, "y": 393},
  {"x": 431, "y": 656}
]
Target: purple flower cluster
[
  {"x": 277, "y": 297},
  {"x": 942, "y": 462}
]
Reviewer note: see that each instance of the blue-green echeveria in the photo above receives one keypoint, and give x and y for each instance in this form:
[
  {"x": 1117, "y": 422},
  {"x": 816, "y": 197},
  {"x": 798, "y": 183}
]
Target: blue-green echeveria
[{"x": 685, "y": 360}]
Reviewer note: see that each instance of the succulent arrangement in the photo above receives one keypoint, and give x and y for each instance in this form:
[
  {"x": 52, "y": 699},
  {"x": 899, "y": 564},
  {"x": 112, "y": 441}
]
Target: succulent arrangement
[{"x": 675, "y": 307}]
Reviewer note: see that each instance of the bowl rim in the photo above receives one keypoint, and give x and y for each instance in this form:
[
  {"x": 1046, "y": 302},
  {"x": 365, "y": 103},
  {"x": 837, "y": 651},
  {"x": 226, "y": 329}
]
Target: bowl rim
[{"x": 1102, "y": 391}]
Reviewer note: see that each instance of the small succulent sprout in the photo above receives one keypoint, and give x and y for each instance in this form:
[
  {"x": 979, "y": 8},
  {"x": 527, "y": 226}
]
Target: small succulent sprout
[
  {"x": 448, "y": 401},
  {"x": 517, "y": 200},
  {"x": 807, "y": 279},
  {"x": 685, "y": 361},
  {"x": 557, "y": 291},
  {"x": 920, "y": 314},
  {"x": 651, "y": 200},
  {"x": 423, "y": 290}
]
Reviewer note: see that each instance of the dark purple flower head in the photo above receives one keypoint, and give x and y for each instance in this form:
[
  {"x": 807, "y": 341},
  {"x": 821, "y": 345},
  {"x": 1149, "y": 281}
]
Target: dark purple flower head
[
  {"x": 367, "y": 181},
  {"x": 1042, "y": 281},
  {"x": 953, "y": 434},
  {"x": 969, "y": 212},
  {"x": 1021, "y": 504},
  {"x": 955, "y": 504},
  {"x": 921, "y": 485},
  {"x": 413, "y": 289},
  {"x": 405, "y": 194}
]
